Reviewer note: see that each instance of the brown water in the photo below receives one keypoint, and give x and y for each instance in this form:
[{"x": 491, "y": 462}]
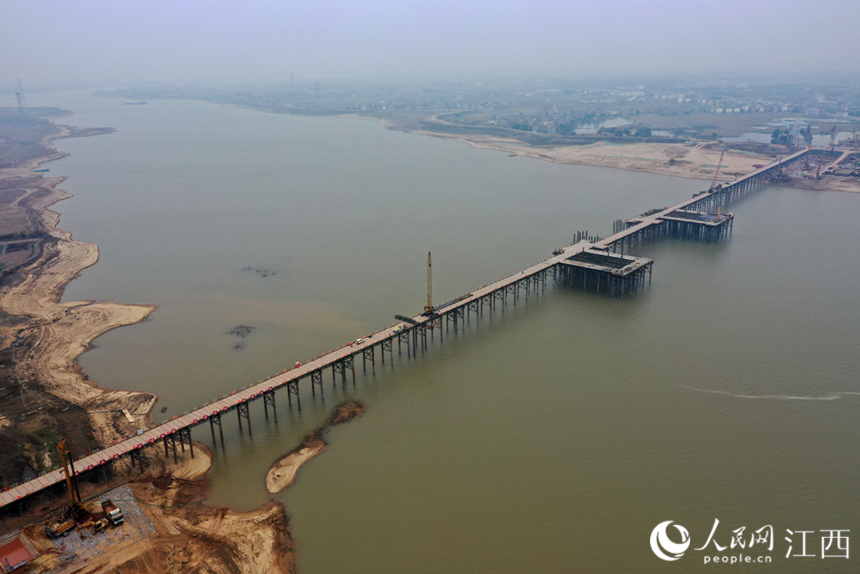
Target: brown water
[{"x": 553, "y": 439}]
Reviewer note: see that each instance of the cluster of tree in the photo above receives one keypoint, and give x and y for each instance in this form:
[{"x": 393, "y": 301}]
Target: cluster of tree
[
  {"x": 638, "y": 132},
  {"x": 568, "y": 129},
  {"x": 780, "y": 137}
]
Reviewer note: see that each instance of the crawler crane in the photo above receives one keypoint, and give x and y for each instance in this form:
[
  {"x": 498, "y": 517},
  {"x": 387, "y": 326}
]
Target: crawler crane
[
  {"x": 74, "y": 510},
  {"x": 75, "y": 515}
]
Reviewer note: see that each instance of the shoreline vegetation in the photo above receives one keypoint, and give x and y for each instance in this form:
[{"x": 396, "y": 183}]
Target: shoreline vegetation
[{"x": 45, "y": 395}]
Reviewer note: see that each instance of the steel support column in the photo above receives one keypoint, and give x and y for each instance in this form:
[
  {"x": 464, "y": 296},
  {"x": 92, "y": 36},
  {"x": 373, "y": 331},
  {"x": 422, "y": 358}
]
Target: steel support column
[
  {"x": 316, "y": 380},
  {"x": 185, "y": 434},
  {"x": 369, "y": 353},
  {"x": 214, "y": 419},
  {"x": 385, "y": 345},
  {"x": 293, "y": 389},
  {"x": 269, "y": 399},
  {"x": 242, "y": 411}
]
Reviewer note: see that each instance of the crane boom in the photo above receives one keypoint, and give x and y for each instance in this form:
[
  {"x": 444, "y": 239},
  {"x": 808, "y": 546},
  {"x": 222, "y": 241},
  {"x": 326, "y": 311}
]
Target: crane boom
[
  {"x": 429, "y": 307},
  {"x": 63, "y": 452},
  {"x": 717, "y": 174}
]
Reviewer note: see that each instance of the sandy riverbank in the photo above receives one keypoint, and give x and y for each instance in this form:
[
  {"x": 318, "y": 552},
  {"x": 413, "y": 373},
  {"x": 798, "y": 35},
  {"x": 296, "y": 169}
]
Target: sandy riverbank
[
  {"x": 54, "y": 334},
  {"x": 45, "y": 337},
  {"x": 679, "y": 160},
  {"x": 179, "y": 532}
]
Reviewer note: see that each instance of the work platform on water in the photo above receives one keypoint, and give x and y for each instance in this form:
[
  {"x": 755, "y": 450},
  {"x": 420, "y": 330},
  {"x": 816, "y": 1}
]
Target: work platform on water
[
  {"x": 602, "y": 270},
  {"x": 688, "y": 224},
  {"x": 593, "y": 262}
]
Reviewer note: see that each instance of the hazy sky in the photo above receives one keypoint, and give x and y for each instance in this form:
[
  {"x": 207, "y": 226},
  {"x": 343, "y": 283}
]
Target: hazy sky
[{"x": 118, "y": 42}]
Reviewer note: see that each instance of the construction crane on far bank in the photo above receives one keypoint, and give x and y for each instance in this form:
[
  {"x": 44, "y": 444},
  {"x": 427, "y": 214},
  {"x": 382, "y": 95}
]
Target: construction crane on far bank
[
  {"x": 428, "y": 309},
  {"x": 717, "y": 174},
  {"x": 22, "y": 103}
]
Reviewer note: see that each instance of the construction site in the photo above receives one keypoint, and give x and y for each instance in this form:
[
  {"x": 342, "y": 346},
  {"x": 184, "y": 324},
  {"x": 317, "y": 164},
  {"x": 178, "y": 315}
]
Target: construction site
[
  {"x": 150, "y": 523},
  {"x": 82, "y": 521}
]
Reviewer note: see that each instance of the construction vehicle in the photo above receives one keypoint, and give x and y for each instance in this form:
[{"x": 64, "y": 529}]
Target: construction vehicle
[
  {"x": 74, "y": 512},
  {"x": 98, "y": 525},
  {"x": 61, "y": 527},
  {"x": 112, "y": 513}
]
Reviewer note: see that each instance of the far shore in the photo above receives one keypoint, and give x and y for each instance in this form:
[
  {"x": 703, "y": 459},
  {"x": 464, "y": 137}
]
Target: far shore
[{"x": 697, "y": 161}]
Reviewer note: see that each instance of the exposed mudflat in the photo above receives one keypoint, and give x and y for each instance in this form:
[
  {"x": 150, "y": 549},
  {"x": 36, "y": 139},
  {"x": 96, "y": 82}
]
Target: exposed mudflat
[{"x": 284, "y": 470}]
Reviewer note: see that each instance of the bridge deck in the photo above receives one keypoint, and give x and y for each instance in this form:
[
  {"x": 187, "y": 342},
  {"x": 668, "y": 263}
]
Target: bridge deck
[
  {"x": 254, "y": 392},
  {"x": 657, "y": 217}
]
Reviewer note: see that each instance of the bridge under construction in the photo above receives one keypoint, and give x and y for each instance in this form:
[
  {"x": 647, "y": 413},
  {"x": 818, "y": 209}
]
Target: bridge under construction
[{"x": 590, "y": 262}]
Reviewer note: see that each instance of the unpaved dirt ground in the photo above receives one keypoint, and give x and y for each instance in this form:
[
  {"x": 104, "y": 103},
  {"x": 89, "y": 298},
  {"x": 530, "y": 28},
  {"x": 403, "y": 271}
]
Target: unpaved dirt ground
[
  {"x": 679, "y": 160},
  {"x": 50, "y": 335},
  {"x": 829, "y": 182},
  {"x": 169, "y": 528}
]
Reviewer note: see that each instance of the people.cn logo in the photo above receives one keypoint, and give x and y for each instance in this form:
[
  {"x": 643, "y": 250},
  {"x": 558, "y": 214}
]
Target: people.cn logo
[{"x": 663, "y": 547}]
